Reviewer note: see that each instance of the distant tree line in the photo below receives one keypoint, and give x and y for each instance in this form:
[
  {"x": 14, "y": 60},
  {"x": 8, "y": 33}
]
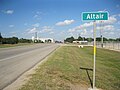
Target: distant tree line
[
  {"x": 13, "y": 40},
  {"x": 107, "y": 39},
  {"x": 71, "y": 39},
  {"x": 22, "y": 40}
]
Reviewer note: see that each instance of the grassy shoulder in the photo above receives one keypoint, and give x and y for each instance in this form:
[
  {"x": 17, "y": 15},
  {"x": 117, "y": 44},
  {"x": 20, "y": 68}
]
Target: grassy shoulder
[
  {"x": 62, "y": 70},
  {"x": 14, "y": 45}
]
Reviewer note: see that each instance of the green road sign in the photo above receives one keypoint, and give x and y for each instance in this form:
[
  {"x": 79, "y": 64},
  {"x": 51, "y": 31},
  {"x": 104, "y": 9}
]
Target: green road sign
[{"x": 95, "y": 16}]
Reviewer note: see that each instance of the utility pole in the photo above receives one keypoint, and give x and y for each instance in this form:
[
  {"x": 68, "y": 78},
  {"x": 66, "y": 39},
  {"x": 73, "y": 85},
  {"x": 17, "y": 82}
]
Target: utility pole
[
  {"x": 35, "y": 37},
  {"x": 101, "y": 33}
]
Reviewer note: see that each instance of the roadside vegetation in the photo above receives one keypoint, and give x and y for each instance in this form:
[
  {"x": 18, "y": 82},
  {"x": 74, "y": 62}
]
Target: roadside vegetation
[
  {"x": 15, "y": 41},
  {"x": 71, "y": 39},
  {"x": 66, "y": 69}
]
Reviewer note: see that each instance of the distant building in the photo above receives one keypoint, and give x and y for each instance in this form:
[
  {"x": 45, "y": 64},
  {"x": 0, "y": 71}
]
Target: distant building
[
  {"x": 81, "y": 42},
  {"x": 44, "y": 40}
]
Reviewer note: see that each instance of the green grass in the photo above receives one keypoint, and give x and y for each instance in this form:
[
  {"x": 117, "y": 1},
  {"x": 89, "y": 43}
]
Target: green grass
[
  {"x": 13, "y": 45},
  {"x": 61, "y": 70}
]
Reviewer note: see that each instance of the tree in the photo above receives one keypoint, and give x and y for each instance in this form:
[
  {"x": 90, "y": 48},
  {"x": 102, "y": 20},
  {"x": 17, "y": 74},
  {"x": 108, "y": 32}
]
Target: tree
[
  {"x": 1, "y": 36},
  {"x": 98, "y": 39},
  {"x": 70, "y": 39},
  {"x": 110, "y": 39},
  {"x": 105, "y": 39},
  {"x": 49, "y": 41},
  {"x": 25, "y": 40},
  {"x": 15, "y": 40},
  {"x": 89, "y": 39},
  {"x": 80, "y": 38},
  {"x": 117, "y": 39}
]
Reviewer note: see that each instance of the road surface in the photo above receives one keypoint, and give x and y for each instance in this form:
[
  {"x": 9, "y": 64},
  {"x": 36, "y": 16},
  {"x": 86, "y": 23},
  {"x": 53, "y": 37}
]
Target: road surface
[{"x": 15, "y": 61}]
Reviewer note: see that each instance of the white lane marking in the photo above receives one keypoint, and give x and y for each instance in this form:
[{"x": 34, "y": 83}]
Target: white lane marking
[
  {"x": 23, "y": 54},
  {"x": 15, "y": 56},
  {"x": 20, "y": 54}
]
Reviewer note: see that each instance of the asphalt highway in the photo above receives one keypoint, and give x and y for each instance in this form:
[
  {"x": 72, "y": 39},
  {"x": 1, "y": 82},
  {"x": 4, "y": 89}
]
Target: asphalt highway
[{"x": 15, "y": 61}]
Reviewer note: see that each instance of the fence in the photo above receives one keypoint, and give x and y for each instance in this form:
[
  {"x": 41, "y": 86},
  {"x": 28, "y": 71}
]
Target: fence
[{"x": 110, "y": 45}]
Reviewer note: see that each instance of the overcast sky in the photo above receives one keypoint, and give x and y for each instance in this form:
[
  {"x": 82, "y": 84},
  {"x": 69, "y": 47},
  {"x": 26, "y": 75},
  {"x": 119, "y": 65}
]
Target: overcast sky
[{"x": 57, "y": 19}]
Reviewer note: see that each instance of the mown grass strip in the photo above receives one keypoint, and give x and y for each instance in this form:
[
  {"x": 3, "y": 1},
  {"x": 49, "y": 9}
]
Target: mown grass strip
[{"x": 62, "y": 70}]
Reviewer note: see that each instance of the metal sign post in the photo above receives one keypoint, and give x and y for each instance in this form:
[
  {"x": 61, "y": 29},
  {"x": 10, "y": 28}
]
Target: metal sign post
[
  {"x": 94, "y": 54},
  {"x": 93, "y": 16}
]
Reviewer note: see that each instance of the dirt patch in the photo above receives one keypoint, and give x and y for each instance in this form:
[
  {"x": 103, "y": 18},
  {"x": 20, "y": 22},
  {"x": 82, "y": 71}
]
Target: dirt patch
[{"x": 78, "y": 87}]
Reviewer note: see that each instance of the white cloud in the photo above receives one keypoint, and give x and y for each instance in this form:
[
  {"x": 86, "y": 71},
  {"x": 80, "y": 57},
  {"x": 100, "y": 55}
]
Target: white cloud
[
  {"x": 25, "y": 24},
  {"x": 106, "y": 27},
  {"x": 81, "y": 27},
  {"x": 112, "y": 33},
  {"x": 9, "y": 11},
  {"x": 11, "y": 26},
  {"x": 91, "y": 30},
  {"x": 111, "y": 20},
  {"x": 36, "y": 25},
  {"x": 33, "y": 30},
  {"x": 85, "y": 25},
  {"x": 71, "y": 30},
  {"x": 117, "y": 6},
  {"x": 13, "y": 33},
  {"x": 119, "y": 15},
  {"x": 38, "y": 12},
  {"x": 84, "y": 32},
  {"x": 46, "y": 29},
  {"x": 102, "y": 10},
  {"x": 66, "y": 22},
  {"x": 118, "y": 22},
  {"x": 109, "y": 27},
  {"x": 38, "y": 15},
  {"x": 51, "y": 32},
  {"x": 35, "y": 16},
  {"x": 109, "y": 34}
]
